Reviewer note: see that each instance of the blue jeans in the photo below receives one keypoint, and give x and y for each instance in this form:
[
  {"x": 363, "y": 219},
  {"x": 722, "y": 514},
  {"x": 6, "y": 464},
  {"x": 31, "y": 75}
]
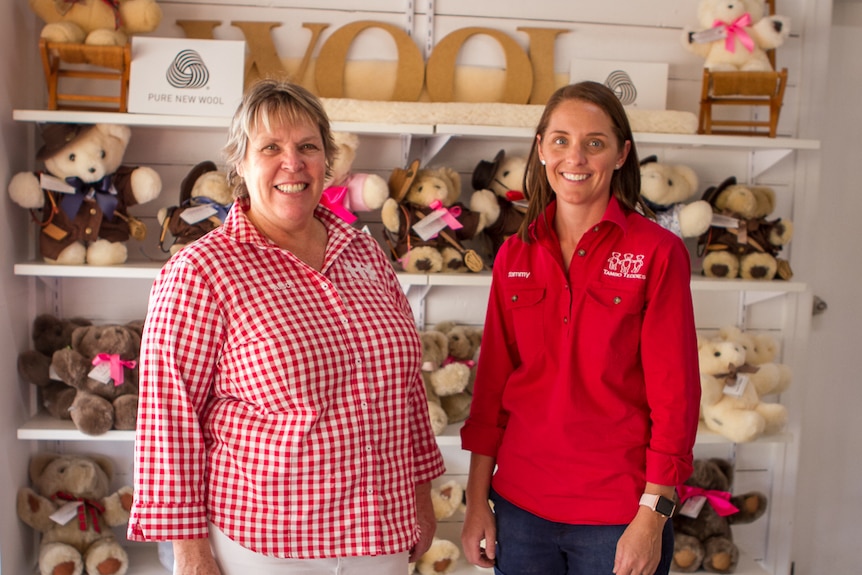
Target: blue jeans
[{"x": 527, "y": 544}]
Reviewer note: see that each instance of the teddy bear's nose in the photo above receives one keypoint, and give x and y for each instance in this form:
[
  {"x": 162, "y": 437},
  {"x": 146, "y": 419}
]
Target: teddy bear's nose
[{"x": 92, "y": 170}]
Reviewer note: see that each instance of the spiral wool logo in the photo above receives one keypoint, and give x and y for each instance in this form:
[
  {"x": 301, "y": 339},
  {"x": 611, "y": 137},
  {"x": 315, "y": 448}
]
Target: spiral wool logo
[
  {"x": 188, "y": 71},
  {"x": 621, "y": 84}
]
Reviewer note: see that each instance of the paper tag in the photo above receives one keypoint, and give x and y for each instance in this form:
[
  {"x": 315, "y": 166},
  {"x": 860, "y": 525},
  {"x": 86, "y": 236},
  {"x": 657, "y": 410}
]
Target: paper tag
[
  {"x": 710, "y": 35},
  {"x": 66, "y": 513},
  {"x": 721, "y": 221},
  {"x": 692, "y": 506},
  {"x": 101, "y": 373},
  {"x": 54, "y": 184},
  {"x": 430, "y": 225},
  {"x": 197, "y": 214},
  {"x": 737, "y": 388}
]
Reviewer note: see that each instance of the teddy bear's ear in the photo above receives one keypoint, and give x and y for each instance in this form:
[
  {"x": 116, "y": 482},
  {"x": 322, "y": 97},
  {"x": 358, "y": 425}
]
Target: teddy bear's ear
[
  {"x": 120, "y": 132},
  {"x": 724, "y": 466},
  {"x": 38, "y": 464},
  {"x": 104, "y": 463},
  {"x": 688, "y": 175},
  {"x": 649, "y": 160},
  {"x": 78, "y": 334}
]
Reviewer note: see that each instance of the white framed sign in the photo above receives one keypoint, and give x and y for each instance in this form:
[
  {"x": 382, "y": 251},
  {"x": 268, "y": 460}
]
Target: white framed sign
[
  {"x": 640, "y": 85},
  {"x": 188, "y": 77}
]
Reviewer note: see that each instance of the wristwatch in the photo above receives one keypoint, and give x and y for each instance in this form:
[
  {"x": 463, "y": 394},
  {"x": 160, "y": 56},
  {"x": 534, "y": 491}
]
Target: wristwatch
[{"x": 658, "y": 503}]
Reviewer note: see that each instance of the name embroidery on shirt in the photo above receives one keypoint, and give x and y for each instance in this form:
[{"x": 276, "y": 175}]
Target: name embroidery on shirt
[
  {"x": 523, "y": 275},
  {"x": 360, "y": 271},
  {"x": 625, "y": 266}
]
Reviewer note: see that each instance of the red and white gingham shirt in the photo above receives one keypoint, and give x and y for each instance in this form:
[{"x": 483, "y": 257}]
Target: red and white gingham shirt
[{"x": 283, "y": 404}]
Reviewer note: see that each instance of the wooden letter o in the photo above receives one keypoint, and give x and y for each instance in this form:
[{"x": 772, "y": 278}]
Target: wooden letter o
[
  {"x": 440, "y": 70},
  {"x": 329, "y": 72}
]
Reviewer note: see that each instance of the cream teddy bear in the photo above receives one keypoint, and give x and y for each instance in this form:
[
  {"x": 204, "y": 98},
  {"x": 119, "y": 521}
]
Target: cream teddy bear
[
  {"x": 666, "y": 190},
  {"x": 96, "y": 22},
  {"x": 735, "y": 35},
  {"x": 761, "y": 351}
]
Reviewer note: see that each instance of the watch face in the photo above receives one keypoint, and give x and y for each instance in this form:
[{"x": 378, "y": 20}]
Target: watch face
[{"x": 665, "y": 506}]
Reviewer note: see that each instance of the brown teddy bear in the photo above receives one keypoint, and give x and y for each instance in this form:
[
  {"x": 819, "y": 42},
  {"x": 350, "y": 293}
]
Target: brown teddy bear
[
  {"x": 49, "y": 334},
  {"x": 464, "y": 343},
  {"x": 441, "y": 379},
  {"x": 72, "y": 506},
  {"x": 704, "y": 513},
  {"x": 101, "y": 363},
  {"x": 205, "y": 200},
  {"x": 425, "y": 224}
]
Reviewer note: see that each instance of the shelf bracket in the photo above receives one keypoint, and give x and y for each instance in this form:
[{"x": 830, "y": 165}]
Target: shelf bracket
[
  {"x": 750, "y": 298},
  {"x": 762, "y": 160},
  {"x": 416, "y": 296},
  {"x": 432, "y": 147},
  {"x": 406, "y": 144}
]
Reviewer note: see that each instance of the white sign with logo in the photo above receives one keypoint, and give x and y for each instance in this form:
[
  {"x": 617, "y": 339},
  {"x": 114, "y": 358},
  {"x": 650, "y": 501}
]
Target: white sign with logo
[{"x": 184, "y": 76}]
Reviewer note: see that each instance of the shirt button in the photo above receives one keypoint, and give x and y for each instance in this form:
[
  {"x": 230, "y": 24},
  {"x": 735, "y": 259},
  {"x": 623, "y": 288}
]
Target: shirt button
[
  {"x": 514, "y": 298},
  {"x": 368, "y": 448},
  {"x": 344, "y": 321},
  {"x": 565, "y": 320},
  {"x": 364, "y": 404},
  {"x": 618, "y": 299},
  {"x": 369, "y": 491},
  {"x": 582, "y": 252},
  {"x": 88, "y": 231},
  {"x": 92, "y": 211},
  {"x": 358, "y": 362},
  {"x": 595, "y": 229}
]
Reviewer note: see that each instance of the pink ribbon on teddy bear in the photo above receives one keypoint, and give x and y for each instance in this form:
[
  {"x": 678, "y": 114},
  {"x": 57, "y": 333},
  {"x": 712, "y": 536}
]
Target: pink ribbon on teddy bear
[
  {"x": 335, "y": 198},
  {"x": 736, "y": 29},
  {"x": 720, "y": 500},
  {"x": 117, "y": 365}
]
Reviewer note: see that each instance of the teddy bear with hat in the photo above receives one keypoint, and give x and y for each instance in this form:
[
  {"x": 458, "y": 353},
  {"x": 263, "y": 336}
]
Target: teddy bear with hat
[
  {"x": 82, "y": 197},
  {"x": 499, "y": 193},
  {"x": 205, "y": 200},
  {"x": 424, "y": 224}
]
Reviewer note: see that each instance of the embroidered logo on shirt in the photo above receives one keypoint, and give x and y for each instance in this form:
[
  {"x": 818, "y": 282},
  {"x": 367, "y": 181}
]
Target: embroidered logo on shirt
[
  {"x": 359, "y": 271},
  {"x": 523, "y": 275},
  {"x": 625, "y": 266}
]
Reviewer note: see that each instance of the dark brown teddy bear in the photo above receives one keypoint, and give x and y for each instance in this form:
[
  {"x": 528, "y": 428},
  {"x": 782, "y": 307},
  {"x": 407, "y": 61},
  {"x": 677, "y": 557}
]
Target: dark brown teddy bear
[
  {"x": 705, "y": 540},
  {"x": 101, "y": 364}
]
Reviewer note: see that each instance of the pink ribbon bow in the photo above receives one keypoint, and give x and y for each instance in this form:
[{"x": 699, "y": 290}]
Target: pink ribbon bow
[
  {"x": 334, "y": 199},
  {"x": 448, "y": 215},
  {"x": 720, "y": 500},
  {"x": 117, "y": 365},
  {"x": 468, "y": 362},
  {"x": 736, "y": 29},
  {"x": 94, "y": 507}
]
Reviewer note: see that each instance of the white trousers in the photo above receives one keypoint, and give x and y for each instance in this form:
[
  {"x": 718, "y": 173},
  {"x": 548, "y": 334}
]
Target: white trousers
[{"x": 234, "y": 559}]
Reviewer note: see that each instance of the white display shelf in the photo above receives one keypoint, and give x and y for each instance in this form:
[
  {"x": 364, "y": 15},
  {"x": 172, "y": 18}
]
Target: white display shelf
[
  {"x": 149, "y": 270},
  {"x": 455, "y": 130}
]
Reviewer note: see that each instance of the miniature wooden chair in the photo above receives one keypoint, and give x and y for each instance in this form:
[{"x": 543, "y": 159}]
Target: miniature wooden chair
[
  {"x": 114, "y": 63},
  {"x": 743, "y": 89}
]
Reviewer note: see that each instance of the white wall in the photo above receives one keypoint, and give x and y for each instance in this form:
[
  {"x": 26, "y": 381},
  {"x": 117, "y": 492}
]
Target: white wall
[
  {"x": 827, "y": 517},
  {"x": 18, "y": 67}
]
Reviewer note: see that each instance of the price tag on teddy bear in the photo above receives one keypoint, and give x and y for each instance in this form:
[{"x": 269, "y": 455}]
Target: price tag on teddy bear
[
  {"x": 101, "y": 373},
  {"x": 692, "y": 506},
  {"x": 54, "y": 184},
  {"x": 197, "y": 214},
  {"x": 66, "y": 513},
  {"x": 710, "y": 35},
  {"x": 736, "y": 387}
]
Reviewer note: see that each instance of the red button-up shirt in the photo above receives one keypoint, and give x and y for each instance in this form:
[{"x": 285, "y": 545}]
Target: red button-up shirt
[
  {"x": 283, "y": 404},
  {"x": 588, "y": 383}
]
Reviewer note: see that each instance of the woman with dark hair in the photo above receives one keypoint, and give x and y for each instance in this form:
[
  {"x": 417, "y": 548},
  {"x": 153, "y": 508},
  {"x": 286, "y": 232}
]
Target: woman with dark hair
[{"x": 587, "y": 394}]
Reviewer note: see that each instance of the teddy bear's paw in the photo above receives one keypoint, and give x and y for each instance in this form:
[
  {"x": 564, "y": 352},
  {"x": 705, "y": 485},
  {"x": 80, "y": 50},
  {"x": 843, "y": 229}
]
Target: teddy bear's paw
[
  {"x": 146, "y": 184},
  {"x": 25, "y": 190},
  {"x": 781, "y": 233},
  {"x": 105, "y": 253},
  {"x": 422, "y": 260},
  {"x": 63, "y": 32},
  {"x": 758, "y": 266},
  {"x": 485, "y": 203},
  {"x": 687, "y": 553},
  {"x": 57, "y": 399},
  {"x": 105, "y": 37},
  {"x": 447, "y": 499},
  {"x": 60, "y": 559},
  {"x": 440, "y": 558},
  {"x": 453, "y": 260},
  {"x": 457, "y": 407},
  {"x": 141, "y": 15},
  {"x": 737, "y": 425},
  {"x": 438, "y": 417},
  {"x": 91, "y": 414},
  {"x": 125, "y": 412},
  {"x": 721, "y": 265},
  {"x": 106, "y": 557},
  {"x": 721, "y": 555},
  {"x": 756, "y": 65},
  {"x": 74, "y": 255},
  {"x": 375, "y": 191},
  {"x": 774, "y": 417}
]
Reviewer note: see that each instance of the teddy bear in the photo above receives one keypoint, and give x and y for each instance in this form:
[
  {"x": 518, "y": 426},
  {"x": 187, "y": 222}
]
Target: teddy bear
[
  {"x": 499, "y": 192},
  {"x": 761, "y": 351},
  {"x": 736, "y": 35},
  {"x": 346, "y": 192},
  {"x": 730, "y": 405},
  {"x": 205, "y": 200},
  {"x": 101, "y": 364},
  {"x": 84, "y": 194},
  {"x": 441, "y": 378},
  {"x": 665, "y": 189},
  {"x": 704, "y": 514},
  {"x": 49, "y": 334},
  {"x": 96, "y": 22},
  {"x": 72, "y": 506},
  {"x": 447, "y": 499},
  {"x": 441, "y": 558},
  {"x": 424, "y": 223},
  {"x": 464, "y": 343},
  {"x": 741, "y": 241}
]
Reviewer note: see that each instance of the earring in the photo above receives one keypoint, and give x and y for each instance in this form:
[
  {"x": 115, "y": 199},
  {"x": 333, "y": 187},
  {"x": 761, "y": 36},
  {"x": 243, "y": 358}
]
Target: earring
[{"x": 542, "y": 162}]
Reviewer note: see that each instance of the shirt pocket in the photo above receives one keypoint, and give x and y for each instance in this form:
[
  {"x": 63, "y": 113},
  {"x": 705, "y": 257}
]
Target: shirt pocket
[
  {"x": 614, "y": 317},
  {"x": 527, "y": 308}
]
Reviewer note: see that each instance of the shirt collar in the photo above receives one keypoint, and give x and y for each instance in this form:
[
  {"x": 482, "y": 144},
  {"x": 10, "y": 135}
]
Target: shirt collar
[{"x": 614, "y": 214}]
